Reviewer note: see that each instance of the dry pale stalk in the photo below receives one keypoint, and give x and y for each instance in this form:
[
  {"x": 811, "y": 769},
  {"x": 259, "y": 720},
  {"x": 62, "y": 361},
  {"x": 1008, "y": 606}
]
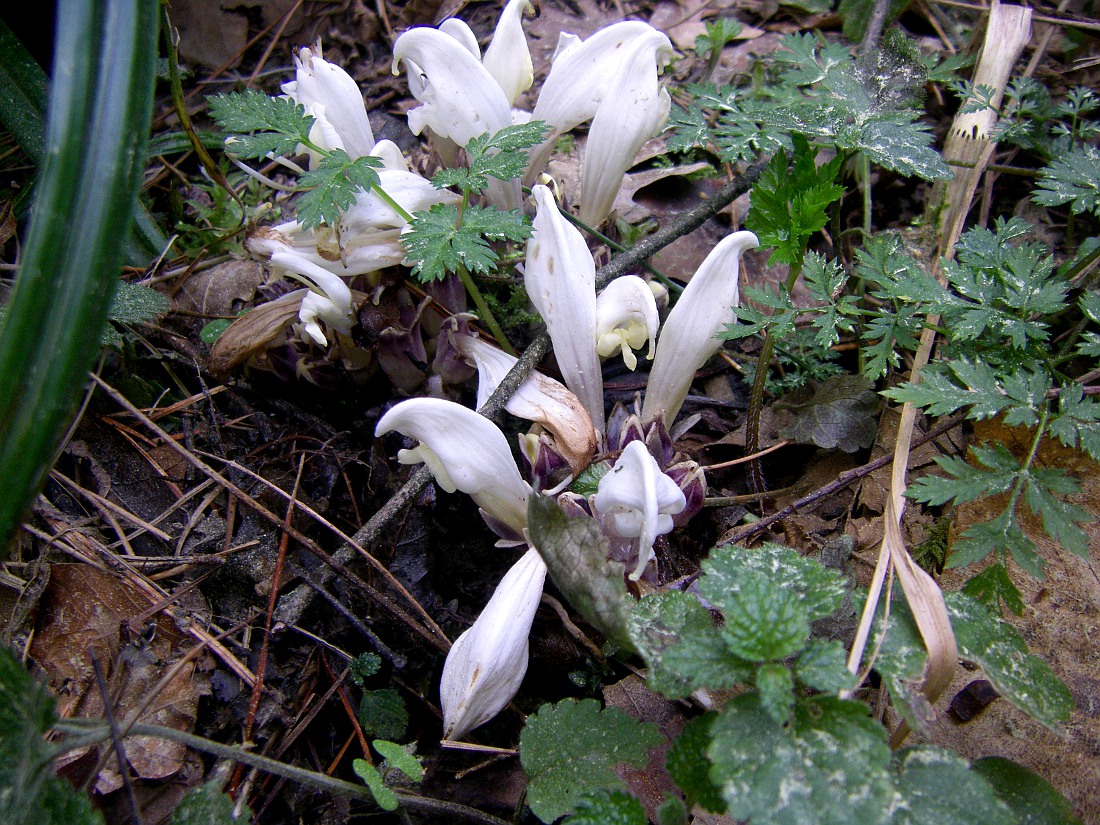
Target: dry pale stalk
[{"x": 969, "y": 146}]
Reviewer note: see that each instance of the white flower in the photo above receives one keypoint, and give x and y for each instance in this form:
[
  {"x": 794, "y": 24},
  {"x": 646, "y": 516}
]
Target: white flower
[
  {"x": 320, "y": 247},
  {"x": 507, "y": 57},
  {"x": 539, "y": 398},
  {"x": 626, "y": 318},
  {"x": 329, "y": 298},
  {"x": 329, "y": 94},
  {"x": 487, "y": 663},
  {"x": 638, "y": 501},
  {"x": 611, "y": 79},
  {"x": 688, "y": 337},
  {"x": 370, "y": 213},
  {"x": 465, "y": 451},
  {"x": 561, "y": 281}
]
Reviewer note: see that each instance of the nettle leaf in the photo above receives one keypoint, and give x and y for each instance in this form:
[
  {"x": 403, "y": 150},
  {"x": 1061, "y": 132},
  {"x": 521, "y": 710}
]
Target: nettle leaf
[
  {"x": 993, "y": 586},
  {"x": 29, "y": 792},
  {"x": 437, "y": 243},
  {"x": 689, "y": 767},
  {"x": 608, "y": 808},
  {"x": 258, "y": 124},
  {"x": 837, "y": 413},
  {"x": 820, "y": 591},
  {"x": 939, "y": 786},
  {"x": 823, "y": 665},
  {"x": 1032, "y": 799},
  {"x": 331, "y": 187},
  {"x": 382, "y": 713},
  {"x": 573, "y": 747},
  {"x": 386, "y": 798},
  {"x": 764, "y": 620},
  {"x": 681, "y": 647},
  {"x": 775, "y": 685},
  {"x": 207, "y": 805},
  {"x": 576, "y": 554},
  {"x": 827, "y": 766},
  {"x": 1074, "y": 179},
  {"x": 1023, "y": 680}
]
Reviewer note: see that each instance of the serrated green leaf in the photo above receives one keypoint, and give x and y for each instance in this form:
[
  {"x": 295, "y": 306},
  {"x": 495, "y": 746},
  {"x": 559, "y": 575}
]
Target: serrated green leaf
[
  {"x": 259, "y": 124},
  {"x": 363, "y": 667},
  {"x": 1077, "y": 423},
  {"x": 438, "y": 244},
  {"x": 134, "y": 303},
  {"x": 29, "y": 792},
  {"x": 502, "y": 156},
  {"x": 1032, "y": 799},
  {"x": 837, "y": 413},
  {"x": 775, "y": 685},
  {"x": 1002, "y": 533},
  {"x": 965, "y": 482},
  {"x": 571, "y": 748},
  {"x": 1060, "y": 518},
  {"x": 939, "y": 786},
  {"x": 331, "y": 187},
  {"x": 822, "y": 665},
  {"x": 764, "y": 621},
  {"x": 993, "y": 586},
  {"x": 608, "y": 808},
  {"x": 828, "y": 766},
  {"x": 386, "y": 799},
  {"x": 576, "y": 555},
  {"x": 689, "y": 768},
  {"x": 1022, "y": 679},
  {"x": 1073, "y": 179},
  {"x": 701, "y": 660},
  {"x": 659, "y": 622},
  {"x": 208, "y": 805},
  {"x": 382, "y": 713},
  {"x": 400, "y": 758},
  {"x": 820, "y": 591}
]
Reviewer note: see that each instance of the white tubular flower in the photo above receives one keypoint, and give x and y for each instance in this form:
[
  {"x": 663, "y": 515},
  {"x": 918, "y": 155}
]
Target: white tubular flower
[
  {"x": 507, "y": 57},
  {"x": 487, "y": 663},
  {"x": 561, "y": 281},
  {"x": 370, "y": 213},
  {"x": 459, "y": 99},
  {"x": 626, "y": 317},
  {"x": 639, "y": 501},
  {"x": 539, "y": 398},
  {"x": 688, "y": 336},
  {"x": 360, "y": 256},
  {"x": 465, "y": 451},
  {"x": 390, "y": 154},
  {"x": 329, "y": 299},
  {"x": 610, "y": 79},
  {"x": 329, "y": 94}
]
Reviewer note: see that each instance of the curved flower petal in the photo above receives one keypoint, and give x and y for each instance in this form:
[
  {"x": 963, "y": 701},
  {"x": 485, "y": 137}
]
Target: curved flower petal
[
  {"x": 460, "y": 30},
  {"x": 687, "y": 338},
  {"x": 316, "y": 307},
  {"x": 507, "y": 57},
  {"x": 560, "y": 280},
  {"x": 370, "y": 213},
  {"x": 332, "y": 304},
  {"x": 639, "y": 501},
  {"x": 487, "y": 663},
  {"x": 459, "y": 98},
  {"x": 539, "y": 398},
  {"x": 328, "y": 93},
  {"x": 465, "y": 451},
  {"x": 626, "y": 317}
]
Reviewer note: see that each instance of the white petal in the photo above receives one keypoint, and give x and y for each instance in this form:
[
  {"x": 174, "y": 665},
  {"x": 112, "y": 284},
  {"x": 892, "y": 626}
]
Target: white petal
[
  {"x": 687, "y": 338},
  {"x": 319, "y": 82},
  {"x": 328, "y": 283},
  {"x": 507, "y": 57},
  {"x": 487, "y": 663},
  {"x": 639, "y": 499},
  {"x": 316, "y": 307},
  {"x": 461, "y": 31},
  {"x": 539, "y": 398},
  {"x": 560, "y": 278},
  {"x": 459, "y": 98},
  {"x": 472, "y": 450},
  {"x": 626, "y": 318},
  {"x": 370, "y": 213},
  {"x": 390, "y": 154}
]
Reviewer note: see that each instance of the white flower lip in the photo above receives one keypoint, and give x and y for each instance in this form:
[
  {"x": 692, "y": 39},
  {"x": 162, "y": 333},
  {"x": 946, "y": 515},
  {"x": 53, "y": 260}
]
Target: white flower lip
[
  {"x": 560, "y": 280},
  {"x": 507, "y": 57},
  {"x": 639, "y": 501},
  {"x": 487, "y": 663},
  {"x": 687, "y": 338},
  {"x": 465, "y": 451},
  {"x": 329, "y": 298},
  {"x": 626, "y": 318},
  {"x": 330, "y": 94},
  {"x": 611, "y": 79}
]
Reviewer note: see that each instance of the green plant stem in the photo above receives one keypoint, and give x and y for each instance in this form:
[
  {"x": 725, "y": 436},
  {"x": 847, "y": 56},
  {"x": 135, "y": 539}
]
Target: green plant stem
[
  {"x": 863, "y": 165},
  {"x": 757, "y": 484},
  {"x": 100, "y": 732},
  {"x": 1018, "y": 487},
  {"x": 486, "y": 313}
]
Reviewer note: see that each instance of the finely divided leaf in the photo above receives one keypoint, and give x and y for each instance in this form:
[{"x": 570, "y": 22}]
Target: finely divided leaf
[
  {"x": 258, "y": 124},
  {"x": 331, "y": 187},
  {"x": 571, "y": 748},
  {"x": 437, "y": 243}
]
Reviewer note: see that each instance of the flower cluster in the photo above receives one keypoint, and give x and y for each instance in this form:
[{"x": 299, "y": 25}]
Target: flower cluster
[{"x": 648, "y": 489}]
